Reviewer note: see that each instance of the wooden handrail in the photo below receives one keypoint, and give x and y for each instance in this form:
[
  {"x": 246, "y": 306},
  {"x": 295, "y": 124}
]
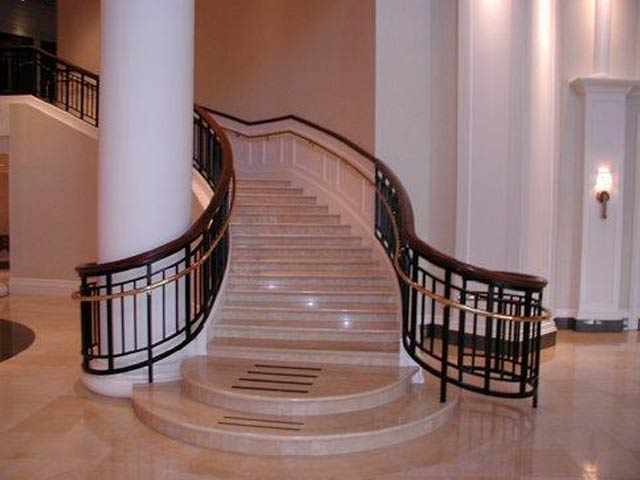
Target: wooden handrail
[
  {"x": 158, "y": 253},
  {"x": 407, "y": 226}
]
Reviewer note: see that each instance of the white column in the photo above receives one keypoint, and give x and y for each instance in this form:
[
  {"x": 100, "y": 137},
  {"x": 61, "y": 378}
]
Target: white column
[
  {"x": 602, "y": 37},
  {"x": 634, "y": 289},
  {"x": 492, "y": 69},
  {"x": 145, "y": 156},
  {"x": 146, "y": 105},
  {"x": 506, "y": 136},
  {"x": 402, "y": 97},
  {"x": 601, "y": 259}
]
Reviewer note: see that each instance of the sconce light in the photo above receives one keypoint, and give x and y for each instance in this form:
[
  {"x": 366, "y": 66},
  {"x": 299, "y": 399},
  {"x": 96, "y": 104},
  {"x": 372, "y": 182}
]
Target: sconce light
[{"x": 604, "y": 182}]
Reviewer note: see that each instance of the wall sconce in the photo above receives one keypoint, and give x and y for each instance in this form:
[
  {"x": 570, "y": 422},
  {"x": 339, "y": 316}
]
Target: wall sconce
[{"x": 604, "y": 182}]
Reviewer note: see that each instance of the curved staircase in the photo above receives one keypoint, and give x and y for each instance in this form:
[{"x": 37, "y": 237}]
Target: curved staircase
[{"x": 304, "y": 357}]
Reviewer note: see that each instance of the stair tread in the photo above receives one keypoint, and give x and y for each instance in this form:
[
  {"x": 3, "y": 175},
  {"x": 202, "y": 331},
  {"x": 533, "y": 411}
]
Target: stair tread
[
  {"x": 329, "y": 382},
  {"x": 257, "y": 344},
  {"x": 327, "y": 275},
  {"x": 315, "y": 290},
  {"x": 319, "y": 325},
  {"x": 317, "y": 306},
  {"x": 311, "y": 261}
]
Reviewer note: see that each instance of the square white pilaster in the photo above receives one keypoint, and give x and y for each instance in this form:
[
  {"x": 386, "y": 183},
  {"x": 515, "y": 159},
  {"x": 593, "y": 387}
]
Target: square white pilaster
[{"x": 601, "y": 259}]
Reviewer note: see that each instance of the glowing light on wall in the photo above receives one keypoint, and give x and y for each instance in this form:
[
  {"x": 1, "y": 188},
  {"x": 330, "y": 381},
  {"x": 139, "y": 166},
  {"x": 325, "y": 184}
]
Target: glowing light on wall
[{"x": 602, "y": 188}]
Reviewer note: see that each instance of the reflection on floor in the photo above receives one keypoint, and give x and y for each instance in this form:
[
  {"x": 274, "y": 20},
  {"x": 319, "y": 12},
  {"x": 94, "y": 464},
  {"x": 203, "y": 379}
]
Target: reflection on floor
[
  {"x": 14, "y": 338},
  {"x": 587, "y": 425}
]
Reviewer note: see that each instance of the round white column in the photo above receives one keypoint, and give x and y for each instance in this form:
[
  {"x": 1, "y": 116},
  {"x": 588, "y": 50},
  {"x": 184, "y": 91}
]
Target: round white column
[{"x": 146, "y": 105}]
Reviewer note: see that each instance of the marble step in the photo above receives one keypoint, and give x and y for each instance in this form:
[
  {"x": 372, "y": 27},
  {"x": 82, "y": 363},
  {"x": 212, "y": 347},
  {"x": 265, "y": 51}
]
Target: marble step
[
  {"x": 348, "y": 352},
  {"x": 307, "y": 279},
  {"x": 332, "y": 331},
  {"x": 260, "y": 182},
  {"x": 292, "y": 388},
  {"x": 165, "y": 408},
  {"x": 290, "y": 218},
  {"x": 259, "y": 229},
  {"x": 261, "y": 209},
  {"x": 245, "y": 198},
  {"x": 289, "y": 251},
  {"x": 259, "y": 190},
  {"x": 317, "y": 311},
  {"x": 363, "y": 265},
  {"x": 303, "y": 297},
  {"x": 274, "y": 240}
]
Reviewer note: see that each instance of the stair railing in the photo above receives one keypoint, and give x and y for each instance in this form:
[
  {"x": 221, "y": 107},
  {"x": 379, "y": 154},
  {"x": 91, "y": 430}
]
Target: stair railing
[
  {"x": 471, "y": 327},
  {"x": 139, "y": 310},
  {"x": 31, "y": 71}
]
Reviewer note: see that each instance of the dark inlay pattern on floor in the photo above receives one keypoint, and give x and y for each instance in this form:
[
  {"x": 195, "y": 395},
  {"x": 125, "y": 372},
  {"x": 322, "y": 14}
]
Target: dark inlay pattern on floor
[{"x": 14, "y": 338}]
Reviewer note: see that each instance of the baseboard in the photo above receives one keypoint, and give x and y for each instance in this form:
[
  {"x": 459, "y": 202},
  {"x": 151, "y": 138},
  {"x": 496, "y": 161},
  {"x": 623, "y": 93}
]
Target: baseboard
[
  {"x": 596, "y": 326},
  {"x": 547, "y": 339},
  {"x": 41, "y": 286}
]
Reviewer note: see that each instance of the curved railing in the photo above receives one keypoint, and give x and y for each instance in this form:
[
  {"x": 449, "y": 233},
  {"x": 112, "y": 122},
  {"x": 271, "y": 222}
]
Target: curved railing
[
  {"x": 31, "y": 71},
  {"x": 471, "y": 327},
  {"x": 140, "y": 310}
]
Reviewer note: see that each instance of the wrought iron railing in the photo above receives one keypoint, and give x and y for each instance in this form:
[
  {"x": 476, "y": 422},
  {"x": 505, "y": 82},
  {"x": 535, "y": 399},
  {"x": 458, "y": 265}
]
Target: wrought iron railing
[
  {"x": 140, "y": 310},
  {"x": 473, "y": 328},
  {"x": 30, "y": 71}
]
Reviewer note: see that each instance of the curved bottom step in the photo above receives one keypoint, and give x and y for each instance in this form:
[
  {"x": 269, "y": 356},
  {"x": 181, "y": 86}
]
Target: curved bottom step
[
  {"x": 165, "y": 408},
  {"x": 282, "y": 388}
]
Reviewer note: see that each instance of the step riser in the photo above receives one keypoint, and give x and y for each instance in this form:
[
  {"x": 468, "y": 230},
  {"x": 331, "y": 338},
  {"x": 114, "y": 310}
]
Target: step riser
[
  {"x": 323, "y": 219},
  {"x": 302, "y": 299},
  {"x": 270, "y": 406},
  {"x": 239, "y": 441},
  {"x": 231, "y": 331},
  {"x": 284, "y": 229},
  {"x": 241, "y": 182},
  {"x": 264, "y": 242},
  {"x": 309, "y": 356},
  {"x": 251, "y": 281},
  {"x": 281, "y": 209},
  {"x": 261, "y": 191},
  {"x": 245, "y": 199},
  {"x": 253, "y": 254},
  {"x": 258, "y": 267}
]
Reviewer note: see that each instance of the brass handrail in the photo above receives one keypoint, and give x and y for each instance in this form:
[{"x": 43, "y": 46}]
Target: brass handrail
[
  {"x": 147, "y": 289},
  {"x": 396, "y": 232}
]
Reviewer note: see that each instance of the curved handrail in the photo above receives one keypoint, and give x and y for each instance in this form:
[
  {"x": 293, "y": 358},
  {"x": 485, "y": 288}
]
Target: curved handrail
[
  {"x": 396, "y": 256},
  {"x": 407, "y": 226},
  {"x": 220, "y": 190}
]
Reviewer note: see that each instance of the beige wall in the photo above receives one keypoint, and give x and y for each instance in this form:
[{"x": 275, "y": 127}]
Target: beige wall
[
  {"x": 79, "y": 32},
  {"x": 262, "y": 58},
  {"x": 52, "y": 199},
  {"x": 314, "y": 58}
]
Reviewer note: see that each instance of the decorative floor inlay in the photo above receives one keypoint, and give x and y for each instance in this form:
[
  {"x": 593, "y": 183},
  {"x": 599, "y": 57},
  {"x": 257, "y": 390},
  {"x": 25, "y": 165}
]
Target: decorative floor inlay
[
  {"x": 285, "y": 378},
  {"x": 260, "y": 423},
  {"x": 14, "y": 338}
]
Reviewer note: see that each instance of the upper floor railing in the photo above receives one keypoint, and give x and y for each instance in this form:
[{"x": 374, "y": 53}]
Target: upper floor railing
[
  {"x": 474, "y": 328},
  {"x": 30, "y": 71}
]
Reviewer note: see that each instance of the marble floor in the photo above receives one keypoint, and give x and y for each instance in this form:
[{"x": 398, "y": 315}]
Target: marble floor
[{"x": 587, "y": 425}]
